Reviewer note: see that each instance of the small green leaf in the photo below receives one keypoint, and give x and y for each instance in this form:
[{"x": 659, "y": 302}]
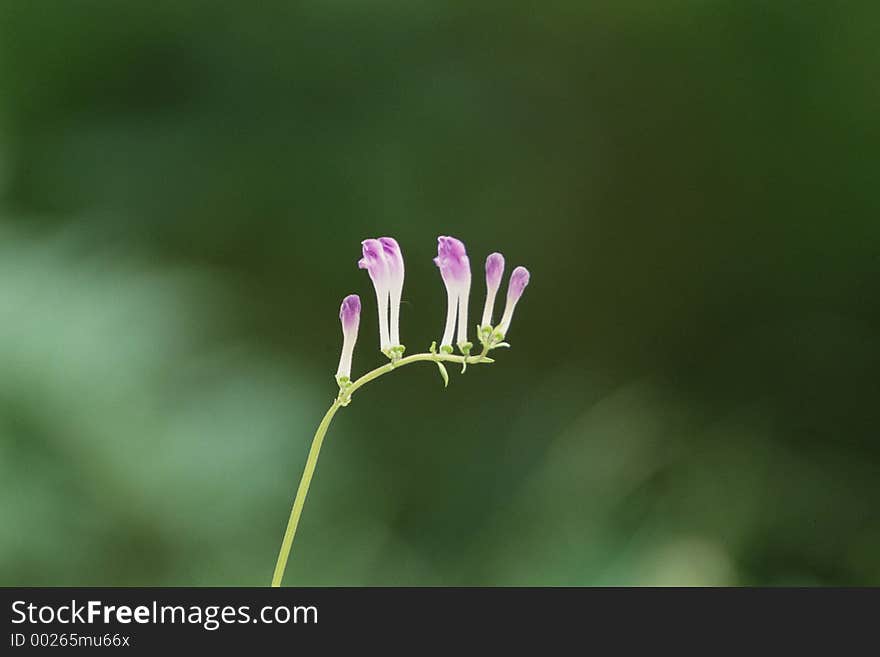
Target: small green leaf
[
  {"x": 501, "y": 344},
  {"x": 443, "y": 373}
]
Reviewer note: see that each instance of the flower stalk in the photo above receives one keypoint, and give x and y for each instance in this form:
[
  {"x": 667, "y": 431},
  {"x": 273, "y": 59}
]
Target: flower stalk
[
  {"x": 344, "y": 399},
  {"x": 383, "y": 261}
]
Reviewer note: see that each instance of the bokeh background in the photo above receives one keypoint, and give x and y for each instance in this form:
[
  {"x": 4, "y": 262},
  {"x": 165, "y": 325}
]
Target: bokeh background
[{"x": 692, "y": 393}]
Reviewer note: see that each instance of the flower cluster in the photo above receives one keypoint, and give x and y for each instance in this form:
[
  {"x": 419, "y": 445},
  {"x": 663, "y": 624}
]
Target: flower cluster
[{"x": 383, "y": 260}]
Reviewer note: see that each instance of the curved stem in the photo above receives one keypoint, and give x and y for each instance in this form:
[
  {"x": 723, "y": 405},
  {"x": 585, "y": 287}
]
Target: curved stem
[
  {"x": 301, "y": 492},
  {"x": 312, "y": 460}
]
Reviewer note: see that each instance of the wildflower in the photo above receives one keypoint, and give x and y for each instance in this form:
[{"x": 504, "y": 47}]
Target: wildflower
[
  {"x": 518, "y": 281},
  {"x": 395, "y": 287},
  {"x": 350, "y": 316},
  {"x": 494, "y": 272},
  {"x": 384, "y": 262},
  {"x": 455, "y": 268},
  {"x": 376, "y": 263}
]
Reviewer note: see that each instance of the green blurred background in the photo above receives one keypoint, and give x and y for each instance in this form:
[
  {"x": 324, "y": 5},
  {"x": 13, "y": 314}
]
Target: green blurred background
[{"x": 692, "y": 392}]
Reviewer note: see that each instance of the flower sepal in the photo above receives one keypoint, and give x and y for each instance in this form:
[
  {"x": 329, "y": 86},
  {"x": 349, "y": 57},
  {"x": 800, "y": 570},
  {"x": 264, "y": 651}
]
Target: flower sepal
[
  {"x": 395, "y": 353},
  {"x": 491, "y": 338},
  {"x": 344, "y": 383},
  {"x": 484, "y": 333}
]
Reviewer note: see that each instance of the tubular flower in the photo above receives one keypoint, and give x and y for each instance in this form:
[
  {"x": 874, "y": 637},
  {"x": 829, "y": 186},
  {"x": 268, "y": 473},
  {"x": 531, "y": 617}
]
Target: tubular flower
[
  {"x": 394, "y": 258},
  {"x": 494, "y": 272},
  {"x": 455, "y": 269},
  {"x": 518, "y": 281},
  {"x": 350, "y": 316},
  {"x": 376, "y": 263}
]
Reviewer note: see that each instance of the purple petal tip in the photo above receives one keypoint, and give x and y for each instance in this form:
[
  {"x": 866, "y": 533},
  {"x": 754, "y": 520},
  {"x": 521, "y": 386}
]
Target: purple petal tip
[
  {"x": 390, "y": 244},
  {"x": 450, "y": 247},
  {"x": 452, "y": 259},
  {"x": 494, "y": 269},
  {"x": 518, "y": 281},
  {"x": 393, "y": 255},
  {"x": 350, "y": 310},
  {"x": 374, "y": 260}
]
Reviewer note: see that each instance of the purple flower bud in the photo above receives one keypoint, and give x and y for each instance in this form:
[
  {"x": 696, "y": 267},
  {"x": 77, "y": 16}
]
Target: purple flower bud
[
  {"x": 375, "y": 261},
  {"x": 494, "y": 272},
  {"x": 350, "y": 316},
  {"x": 394, "y": 258},
  {"x": 518, "y": 281},
  {"x": 455, "y": 268},
  {"x": 350, "y": 313}
]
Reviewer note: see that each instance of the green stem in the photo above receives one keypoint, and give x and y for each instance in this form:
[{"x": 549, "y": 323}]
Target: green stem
[
  {"x": 301, "y": 492},
  {"x": 342, "y": 400}
]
